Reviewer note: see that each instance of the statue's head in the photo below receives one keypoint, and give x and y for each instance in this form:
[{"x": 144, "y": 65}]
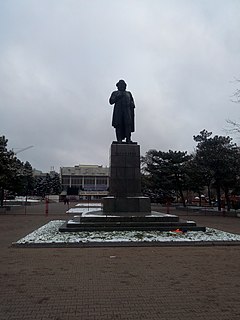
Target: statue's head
[{"x": 121, "y": 85}]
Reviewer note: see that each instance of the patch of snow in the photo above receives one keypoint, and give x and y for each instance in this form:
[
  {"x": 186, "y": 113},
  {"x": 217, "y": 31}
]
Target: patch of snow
[
  {"x": 84, "y": 207},
  {"x": 90, "y": 205},
  {"x": 73, "y": 222},
  {"x": 159, "y": 214},
  {"x": 96, "y": 214},
  {"x": 49, "y": 234},
  {"x": 75, "y": 210},
  {"x": 23, "y": 199},
  {"x": 139, "y": 197},
  {"x": 81, "y": 210}
]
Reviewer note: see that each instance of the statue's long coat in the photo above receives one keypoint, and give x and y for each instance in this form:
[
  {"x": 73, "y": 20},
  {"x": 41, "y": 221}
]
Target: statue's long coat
[{"x": 123, "y": 108}]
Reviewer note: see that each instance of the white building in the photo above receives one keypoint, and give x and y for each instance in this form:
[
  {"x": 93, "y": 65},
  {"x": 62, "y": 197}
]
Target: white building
[{"x": 87, "y": 182}]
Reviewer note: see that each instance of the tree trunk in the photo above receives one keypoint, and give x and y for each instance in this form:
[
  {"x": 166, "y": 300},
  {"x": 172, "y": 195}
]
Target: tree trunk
[
  {"x": 200, "y": 198},
  {"x": 218, "y": 196},
  {"x": 226, "y": 191},
  {"x": 182, "y": 196},
  {"x": 179, "y": 187},
  {"x": 1, "y": 196},
  {"x": 209, "y": 195}
]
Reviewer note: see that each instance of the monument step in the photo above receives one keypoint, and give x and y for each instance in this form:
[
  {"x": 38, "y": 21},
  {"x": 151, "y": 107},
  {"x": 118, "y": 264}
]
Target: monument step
[
  {"x": 116, "y": 227},
  {"x": 146, "y": 219},
  {"x": 71, "y": 224},
  {"x": 155, "y": 221}
]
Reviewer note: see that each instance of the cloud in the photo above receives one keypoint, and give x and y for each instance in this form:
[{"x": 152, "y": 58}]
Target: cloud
[{"x": 60, "y": 61}]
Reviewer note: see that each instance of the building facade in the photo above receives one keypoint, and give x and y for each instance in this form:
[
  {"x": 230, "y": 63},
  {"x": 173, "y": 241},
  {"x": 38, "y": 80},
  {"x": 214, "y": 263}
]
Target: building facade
[{"x": 84, "y": 182}]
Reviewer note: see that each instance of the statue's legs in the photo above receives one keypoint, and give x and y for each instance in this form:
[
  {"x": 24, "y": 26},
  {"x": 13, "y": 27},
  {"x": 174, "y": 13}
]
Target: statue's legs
[
  {"x": 123, "y": 130},
  {"x": 128, "y": 134},
  {"x": 119, "y": 134},
  {"x": 122, "y": 133}
]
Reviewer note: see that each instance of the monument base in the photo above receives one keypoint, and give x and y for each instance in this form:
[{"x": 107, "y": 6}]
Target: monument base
[
  {"x": 153, "y": 221},
  {"x": 140, "y": 205}
]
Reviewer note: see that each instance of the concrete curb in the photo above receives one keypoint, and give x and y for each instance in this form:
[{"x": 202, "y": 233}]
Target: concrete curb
[{"x": 127, "y": 244}]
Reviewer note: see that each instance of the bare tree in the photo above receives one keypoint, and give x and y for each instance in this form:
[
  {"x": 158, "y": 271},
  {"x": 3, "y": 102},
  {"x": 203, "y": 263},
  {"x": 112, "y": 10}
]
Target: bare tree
[
  {"x": 234, "y": 127},
  {"x": 236, "y": 95}
]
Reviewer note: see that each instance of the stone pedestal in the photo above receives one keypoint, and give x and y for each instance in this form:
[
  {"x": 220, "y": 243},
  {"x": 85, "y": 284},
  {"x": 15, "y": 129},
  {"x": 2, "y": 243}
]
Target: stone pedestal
[
  {"x": 125, "y": 181},
  {"x": 125, "y": 177},
  {"x": 139, "y": 205}
]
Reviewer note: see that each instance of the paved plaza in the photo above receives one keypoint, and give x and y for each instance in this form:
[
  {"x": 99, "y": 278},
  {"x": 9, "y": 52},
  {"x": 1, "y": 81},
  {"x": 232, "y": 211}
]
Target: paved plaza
[{"x": 145, "y": 283}]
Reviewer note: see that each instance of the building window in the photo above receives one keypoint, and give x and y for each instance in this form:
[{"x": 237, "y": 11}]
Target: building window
[
  {"x": 90, "y": 181},
  {"x": 101, "y": 180},
  {"x": 66, "y": 180},
  {"x": 76, "y": 181}
]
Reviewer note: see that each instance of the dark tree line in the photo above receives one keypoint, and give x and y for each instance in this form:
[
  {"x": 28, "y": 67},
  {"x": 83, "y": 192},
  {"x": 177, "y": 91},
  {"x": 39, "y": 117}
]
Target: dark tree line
[
  {"x": 16, "y": 177},
  {"x": 45, "y": 185},
  {"x": 215, "y": 165}
]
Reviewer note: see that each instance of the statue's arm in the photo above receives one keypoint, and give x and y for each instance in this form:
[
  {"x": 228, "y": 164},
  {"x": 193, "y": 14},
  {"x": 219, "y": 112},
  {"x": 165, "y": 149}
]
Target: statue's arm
[
  {"x": 132, "y": 101},
  {"x": 115, "y": 96}
]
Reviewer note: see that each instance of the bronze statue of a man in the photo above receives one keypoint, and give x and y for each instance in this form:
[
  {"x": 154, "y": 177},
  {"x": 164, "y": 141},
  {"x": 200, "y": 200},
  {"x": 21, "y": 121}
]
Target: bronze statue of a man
[{"x": 123, "y": 112}]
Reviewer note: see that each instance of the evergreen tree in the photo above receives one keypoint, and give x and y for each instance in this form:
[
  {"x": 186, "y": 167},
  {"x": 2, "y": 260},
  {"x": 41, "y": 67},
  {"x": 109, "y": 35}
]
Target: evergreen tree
[
  {"x": 49, "y": 184},
  {"x": 27, "y": 179},
  {"x": 220, "y": 159},
  {"x": 6, "y": 172},
  {"x": 15, "y": 176},
  {"x": 167, "y": 172},
  {"x": 55, "y": 183}
]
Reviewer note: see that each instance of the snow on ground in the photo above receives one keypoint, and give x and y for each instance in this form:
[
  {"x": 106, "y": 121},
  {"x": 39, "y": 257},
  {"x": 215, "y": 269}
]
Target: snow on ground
[
  {"x": 49, "y": 234},
  {"x": 81, "y": 210},
  {"x": 95, "y": 205},
  {"x": 22, "y": 199},
  {"x": 84, "y": 208}
]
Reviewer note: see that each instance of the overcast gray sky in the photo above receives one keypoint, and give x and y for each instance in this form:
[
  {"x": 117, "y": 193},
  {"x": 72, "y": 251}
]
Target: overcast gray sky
[{"x": 60, "y": 61}]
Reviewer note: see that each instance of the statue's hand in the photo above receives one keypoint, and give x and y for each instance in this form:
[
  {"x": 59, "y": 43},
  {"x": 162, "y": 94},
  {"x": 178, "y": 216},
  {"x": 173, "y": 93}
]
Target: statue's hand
[{"x": 120, "y": 94}]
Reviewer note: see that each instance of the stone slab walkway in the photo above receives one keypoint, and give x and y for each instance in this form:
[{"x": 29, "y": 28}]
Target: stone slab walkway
[{"x": 116, "y": 283}]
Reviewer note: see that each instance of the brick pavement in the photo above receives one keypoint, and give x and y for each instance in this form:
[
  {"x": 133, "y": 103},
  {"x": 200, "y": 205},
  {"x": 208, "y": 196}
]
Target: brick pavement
[{"x": 116, "y": 283}]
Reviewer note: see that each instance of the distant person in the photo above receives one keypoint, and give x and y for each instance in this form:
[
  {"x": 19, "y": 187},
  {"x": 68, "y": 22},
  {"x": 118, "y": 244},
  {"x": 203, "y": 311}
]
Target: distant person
[
  {"x": 123, "y": 112},
  {"x": 66, "y": 200}
]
